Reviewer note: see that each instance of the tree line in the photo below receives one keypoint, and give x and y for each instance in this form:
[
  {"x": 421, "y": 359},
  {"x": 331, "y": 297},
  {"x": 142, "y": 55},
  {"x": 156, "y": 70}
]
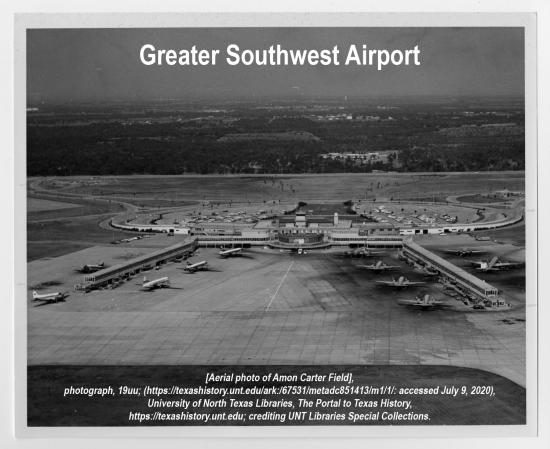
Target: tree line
[{"x": 167, "y": 148}]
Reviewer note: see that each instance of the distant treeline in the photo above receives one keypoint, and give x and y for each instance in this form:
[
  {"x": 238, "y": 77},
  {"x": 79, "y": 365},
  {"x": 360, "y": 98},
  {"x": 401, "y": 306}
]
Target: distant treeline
[{"x": 114, "y": 148}]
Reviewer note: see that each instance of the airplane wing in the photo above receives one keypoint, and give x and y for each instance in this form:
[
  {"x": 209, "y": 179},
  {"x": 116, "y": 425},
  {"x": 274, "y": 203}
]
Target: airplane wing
[
  {"x": 52, "y": 298},
  {"x": 377, "y": 268},
  {"x": 451, "y": 251},
  {"x": 426, "y": 306},
  {"x": 433, "y": 304},
  {"x": 508, "y": 264},
  {"x": 386, "y": 282},
  {"x": 493, "y": 268},
  {"x": 191, "y": 269},
  {"x": 415, "y": 283}
]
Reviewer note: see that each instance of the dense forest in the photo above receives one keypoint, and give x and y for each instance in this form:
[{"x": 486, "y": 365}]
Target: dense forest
[{"x": 419, "y": 140}]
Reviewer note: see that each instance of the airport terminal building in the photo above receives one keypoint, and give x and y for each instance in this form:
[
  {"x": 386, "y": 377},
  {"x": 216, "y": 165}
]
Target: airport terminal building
[
  {"x": 454, "y": 274},
  {"x": 286, "y": 231},
  {"x": 298, "y": 229},
  {"x": 299, "y": 232}
]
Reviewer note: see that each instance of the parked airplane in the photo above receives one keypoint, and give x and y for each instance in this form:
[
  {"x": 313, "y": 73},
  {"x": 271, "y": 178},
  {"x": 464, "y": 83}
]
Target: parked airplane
[
  {"x": 424, "y": 303},
  {"x": 49, "y": 297},
  {"x": 426, "y": 271},
  {"x": 91, "y": 268},
  {"x": 361, "y": 252},
  {"x": 464, "y": 251},
  {"x": 155, "y": 283},
  {"x": 192, "y": 267},
  {"x": 378, "y": 266},
  {"x": 231, "y": 252},
  {"x": 494, "y": 265},
  {"x": 399, "y": 283}
]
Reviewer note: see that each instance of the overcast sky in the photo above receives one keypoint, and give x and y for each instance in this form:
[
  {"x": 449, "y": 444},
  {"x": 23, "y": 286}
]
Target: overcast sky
[{"x": 104, "y": 64}]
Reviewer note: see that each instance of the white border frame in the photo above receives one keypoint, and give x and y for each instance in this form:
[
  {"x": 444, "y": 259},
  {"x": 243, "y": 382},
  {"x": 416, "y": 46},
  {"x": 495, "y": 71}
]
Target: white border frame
[{"x": 299, "y": 20}]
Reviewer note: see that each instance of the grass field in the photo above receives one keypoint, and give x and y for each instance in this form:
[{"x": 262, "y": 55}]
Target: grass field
[
  {"x": 70, "y": 208},
  {"x": 41, "y": 204},
  {"x": 51, "y": 249},
  {"x": 339, "y": 187},
  {"x": 514, "y": 235},
  {"x": 483, "y": 199},
  {"x": 57, "y": 237},
  {"x": 146, "y": 201}
]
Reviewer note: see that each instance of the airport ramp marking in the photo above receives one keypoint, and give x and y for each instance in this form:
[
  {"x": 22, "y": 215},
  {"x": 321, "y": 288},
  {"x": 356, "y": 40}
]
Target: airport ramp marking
[{"x": 279, "y": 286}]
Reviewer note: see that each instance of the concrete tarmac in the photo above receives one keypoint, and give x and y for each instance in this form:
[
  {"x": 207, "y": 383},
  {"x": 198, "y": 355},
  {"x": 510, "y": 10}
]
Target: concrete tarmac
[{"x": 264, "y": 308}]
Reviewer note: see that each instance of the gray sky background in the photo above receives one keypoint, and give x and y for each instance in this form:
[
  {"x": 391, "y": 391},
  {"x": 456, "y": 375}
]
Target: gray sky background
[{"x": 104, "y": 64}]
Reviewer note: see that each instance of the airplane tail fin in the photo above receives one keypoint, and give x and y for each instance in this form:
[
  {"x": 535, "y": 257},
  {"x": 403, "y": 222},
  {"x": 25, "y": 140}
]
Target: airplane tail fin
[{"x": 145, "y": 280}]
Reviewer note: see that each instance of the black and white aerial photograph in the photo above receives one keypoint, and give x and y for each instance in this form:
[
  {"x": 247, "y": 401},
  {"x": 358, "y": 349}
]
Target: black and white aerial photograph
[{"x": 275, "y": 226}]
